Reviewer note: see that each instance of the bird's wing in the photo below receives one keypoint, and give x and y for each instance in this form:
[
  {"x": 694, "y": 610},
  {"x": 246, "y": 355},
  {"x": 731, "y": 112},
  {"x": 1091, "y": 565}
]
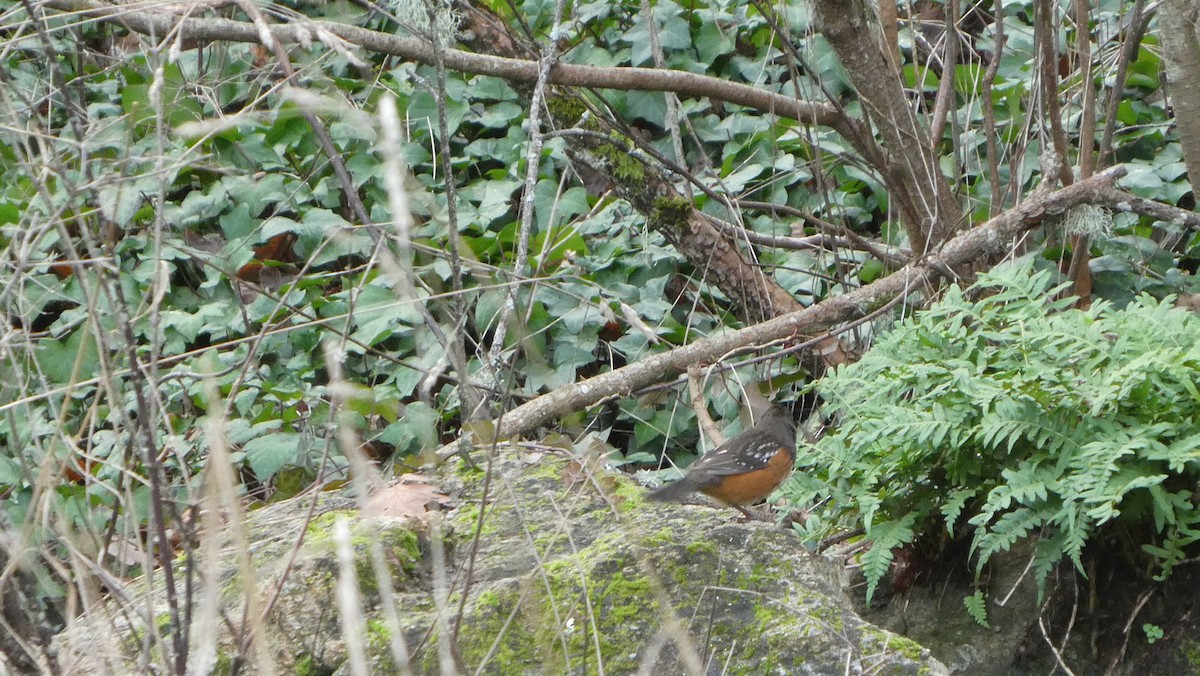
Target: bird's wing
[{"x": 726, "y": 460}]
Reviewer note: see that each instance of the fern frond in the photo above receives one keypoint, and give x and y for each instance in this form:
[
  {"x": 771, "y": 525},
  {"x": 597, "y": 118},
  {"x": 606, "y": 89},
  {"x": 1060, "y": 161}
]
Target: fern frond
[
  {"x": 885, "y": 538},
  {"x": 976, "y": 606},
  {"x": 953, "y": 507},
  {"x": 1004, "y": 532},
  {"x": 1010, "y": 412}
]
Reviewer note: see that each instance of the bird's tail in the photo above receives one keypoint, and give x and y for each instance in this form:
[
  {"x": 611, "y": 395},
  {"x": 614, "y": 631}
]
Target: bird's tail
[{"x": 674, "y": 492}]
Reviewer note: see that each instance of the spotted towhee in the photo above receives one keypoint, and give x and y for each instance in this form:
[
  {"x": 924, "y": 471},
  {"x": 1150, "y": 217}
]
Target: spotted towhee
[{"x": 744, "y": 469}]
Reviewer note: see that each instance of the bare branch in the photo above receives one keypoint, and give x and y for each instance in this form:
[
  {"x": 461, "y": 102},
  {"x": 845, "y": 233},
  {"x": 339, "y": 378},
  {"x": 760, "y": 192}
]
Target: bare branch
[
  {"x": 1130, "y": 44},
  {"x": 989, "y": 239},
  {"x": 989, "y": 112},
  {"x": 519, "y": 70}
]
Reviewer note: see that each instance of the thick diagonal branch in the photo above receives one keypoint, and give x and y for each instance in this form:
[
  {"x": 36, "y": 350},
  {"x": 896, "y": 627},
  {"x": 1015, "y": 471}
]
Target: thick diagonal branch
[{"x": 985, "y": 241}]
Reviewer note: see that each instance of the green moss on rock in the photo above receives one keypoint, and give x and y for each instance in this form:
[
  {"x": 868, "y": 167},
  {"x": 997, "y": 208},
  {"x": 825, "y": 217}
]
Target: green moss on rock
[
  {"x": 629, "y": 496},
  {"x": 489, "y": 619},
  {"x": 699, "y": 548},
  {"x": 401, "y": 546},
  {"x": 1191, "y": 653}
]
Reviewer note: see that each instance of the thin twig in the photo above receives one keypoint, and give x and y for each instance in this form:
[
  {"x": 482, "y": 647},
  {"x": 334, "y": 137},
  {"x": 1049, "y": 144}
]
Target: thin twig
[
  {"x": 323, "y": 139},
  {"x": 671, "y": 120},
  {"x": 1044, "y": 35},
  {"x": 441, "y": 593},
  {"x": 945, "y": 93},
  {"x": 1137, "y": 608},
  {"x": 696, "y": 389},
  {"x": 1028, "y": 567},
  {"x": 472, "y": 400},
  {"x": 533, "y": 154},
  {"x": 1057, "y": 655},
  {"x": 997, "y": 201},
  {"x": 540, "y": 567},
  {"x": 353, "y": 626},
  {"x": 1130, "y": 43}
]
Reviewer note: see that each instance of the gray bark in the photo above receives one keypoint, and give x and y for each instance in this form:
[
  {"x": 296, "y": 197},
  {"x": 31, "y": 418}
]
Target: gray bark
[{"x": 1181, "y": 47}]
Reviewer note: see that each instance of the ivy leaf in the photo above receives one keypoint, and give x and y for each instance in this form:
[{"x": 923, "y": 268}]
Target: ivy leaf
[
  {"x": 1142, "y": 180},
  {"x": 672, "y": 29},
  {"x": 423, "y": 113},
  {"x": 415, "y": 430},
  {"x": 58, "y": 358},
  {"x": 269, "y": 453},
  {"x": 119, "y": 200}
]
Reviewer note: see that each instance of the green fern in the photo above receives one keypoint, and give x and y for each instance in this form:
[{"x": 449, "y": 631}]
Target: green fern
[
  {"x": 1005, "y": 411},
  {"x": 977, "y": 608},
  {"x": 885, "y": 538}
]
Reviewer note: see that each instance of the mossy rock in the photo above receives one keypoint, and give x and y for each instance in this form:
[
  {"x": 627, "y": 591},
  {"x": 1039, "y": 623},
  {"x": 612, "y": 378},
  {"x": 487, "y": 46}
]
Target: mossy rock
[
  {"x": 572, "y": 570},
  {"x": 577, "y": 570}
]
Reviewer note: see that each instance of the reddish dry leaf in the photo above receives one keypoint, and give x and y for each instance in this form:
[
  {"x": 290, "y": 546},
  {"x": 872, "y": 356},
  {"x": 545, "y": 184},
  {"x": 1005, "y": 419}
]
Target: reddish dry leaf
[
  {"x": 573, "y": 472},
  {"x": 411, "y": 496}
]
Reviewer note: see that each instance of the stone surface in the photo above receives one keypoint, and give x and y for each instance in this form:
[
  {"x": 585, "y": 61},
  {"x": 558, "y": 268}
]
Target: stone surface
[{"x": 571, "y": 569}]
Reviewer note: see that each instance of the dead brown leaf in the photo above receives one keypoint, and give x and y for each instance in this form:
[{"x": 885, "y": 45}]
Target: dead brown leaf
[{"x": 412, "y": 496}]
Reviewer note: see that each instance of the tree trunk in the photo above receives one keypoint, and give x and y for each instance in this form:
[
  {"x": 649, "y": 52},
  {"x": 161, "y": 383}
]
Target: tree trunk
[
  {"x": 915, "y": 183},
  {"x": 1181, "y": 47}
]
